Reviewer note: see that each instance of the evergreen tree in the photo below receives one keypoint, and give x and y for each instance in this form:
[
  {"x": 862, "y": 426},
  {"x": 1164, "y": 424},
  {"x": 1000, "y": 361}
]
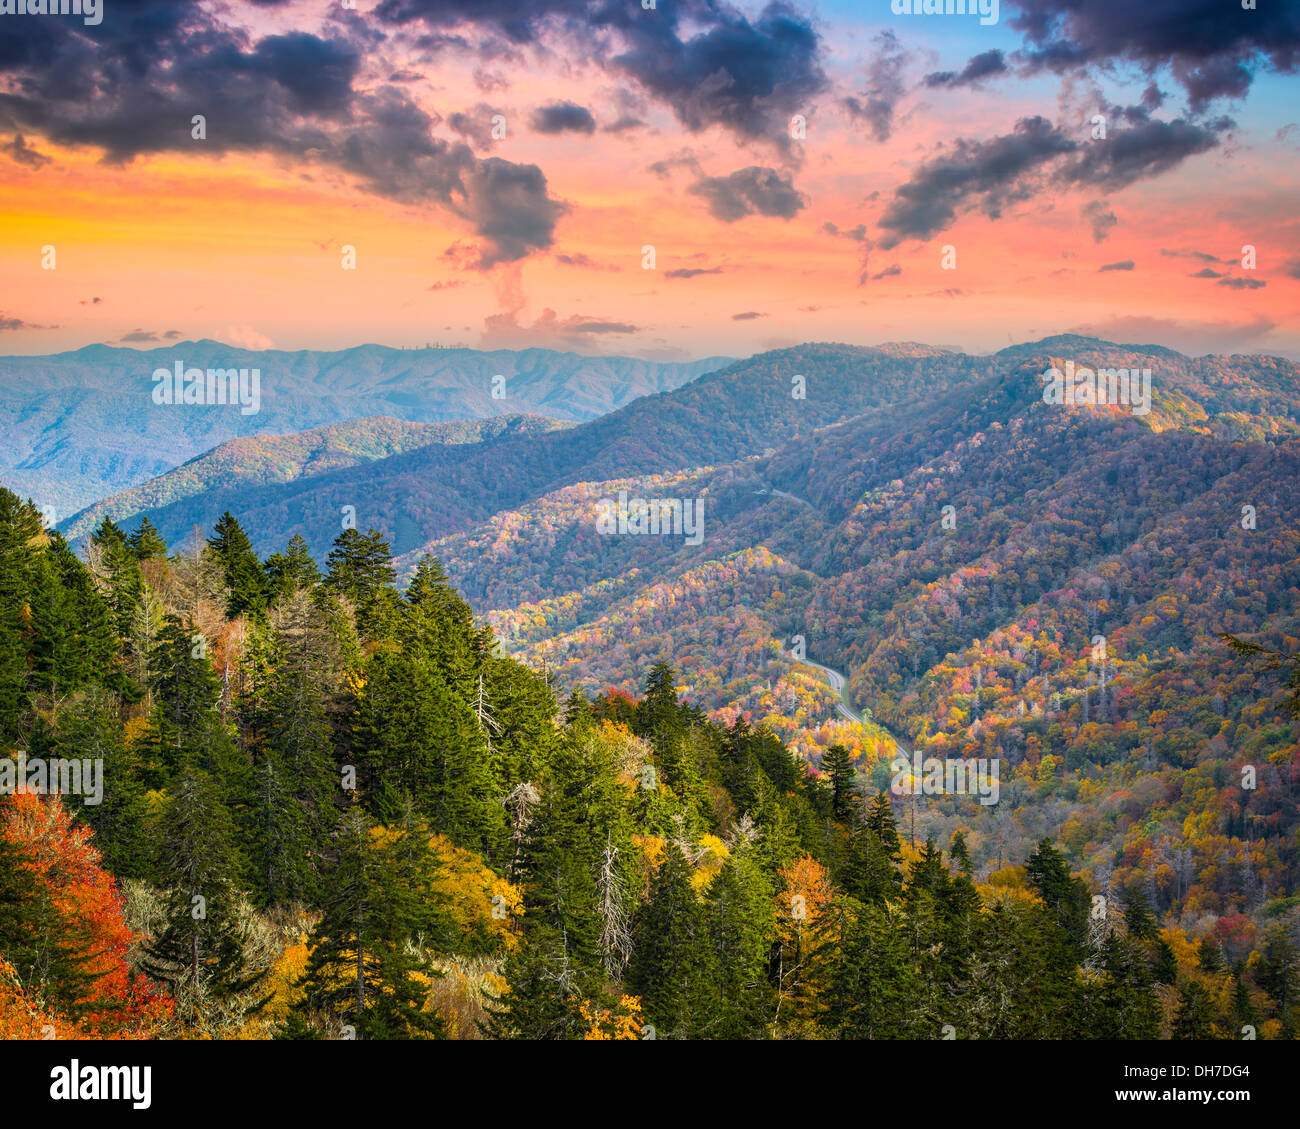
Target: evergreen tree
[
  {"x": 200, "y": 953},
  {"x": 365, "y": 971},
  {"x": 293, "y": 569},
  {"x": 740, "y": 920},
  {"x": 959, "y": 852},
  {"x": 872, "y": 989},
  {"x": 837, "y": 764},
  {"x": 360, "y": 568},
  {"x": 880, "y": 820},
  {"x": 245, "y": 581},
  {"x": 1066, "y": 897},
  {"x": 146, "y": 542},
  {"x": 1194, "y": 1018},
  {"x": 672, "y": 967}
]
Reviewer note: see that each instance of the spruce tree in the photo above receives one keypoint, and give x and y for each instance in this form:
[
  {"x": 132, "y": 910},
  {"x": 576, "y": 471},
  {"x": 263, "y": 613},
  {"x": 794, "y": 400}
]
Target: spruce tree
[
  {"x": 837, "y": 764},
  {"x": 364, "y": 971},
  {"x": 200, "y": 952},
  {"x": 672, "y": 967}
]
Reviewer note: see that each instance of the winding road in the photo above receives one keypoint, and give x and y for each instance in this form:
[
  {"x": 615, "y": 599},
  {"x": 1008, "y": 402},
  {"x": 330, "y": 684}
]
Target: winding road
[{"x": 840, "y": 685}]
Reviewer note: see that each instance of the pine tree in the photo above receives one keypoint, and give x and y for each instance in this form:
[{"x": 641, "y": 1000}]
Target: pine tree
[
  {"x": 414, "y": 737},
  {"x": 740, "y": 920},
  {"x": 364, "y": 970},
  {"x": 293, "y": 569},
  {"x": 837, "y": 764},
  {"x": 672, "y": 965},
  {"x": 1066, "y": 897},
  {"x": 959, "y": 852},
  {"x": 245, "y": 581},
  {"x": 872, "y": 988},
  {"x": 360, "y": 568},
  {"x": 880, "y": 819},
  {"x": 146, "y": 542},
  {"x": 200, "y": 952},
  {"x": 1194, "y": 1018}
]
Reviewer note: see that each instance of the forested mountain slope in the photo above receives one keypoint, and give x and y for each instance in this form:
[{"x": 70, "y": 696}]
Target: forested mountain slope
[
  {"x": 396, "y": 832},
  {"x": 84, "y": 424}
]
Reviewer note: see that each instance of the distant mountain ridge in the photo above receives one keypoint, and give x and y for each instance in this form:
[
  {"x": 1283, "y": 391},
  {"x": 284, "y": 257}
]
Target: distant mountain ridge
[
  {"x": 259, "y": 460},
  {"x": 82, "y": 425},
  {"x": 734, "y": 412}
]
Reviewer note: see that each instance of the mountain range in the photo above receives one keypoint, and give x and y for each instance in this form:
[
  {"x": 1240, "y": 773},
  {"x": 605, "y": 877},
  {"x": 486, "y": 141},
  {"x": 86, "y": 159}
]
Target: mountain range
[
  {"x": 84, "y": 424},
  {"x": 995, "y": 575}
]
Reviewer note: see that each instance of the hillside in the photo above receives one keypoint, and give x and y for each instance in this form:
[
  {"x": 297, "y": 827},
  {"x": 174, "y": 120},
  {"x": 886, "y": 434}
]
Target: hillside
[
  {"x": 743, "y": 408},
  {"x": 82, "y": 425},
  {"x": 260, "y": 460}
]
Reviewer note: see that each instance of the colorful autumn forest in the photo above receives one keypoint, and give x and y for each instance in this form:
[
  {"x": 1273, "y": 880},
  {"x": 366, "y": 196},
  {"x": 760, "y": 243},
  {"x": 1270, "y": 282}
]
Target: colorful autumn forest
[{"x": 333, "y": 809}]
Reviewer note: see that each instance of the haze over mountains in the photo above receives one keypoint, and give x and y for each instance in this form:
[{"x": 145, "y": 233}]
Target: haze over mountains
[
  {"x": 82, "y": 425},
  {"x": 917, "y": 518}
]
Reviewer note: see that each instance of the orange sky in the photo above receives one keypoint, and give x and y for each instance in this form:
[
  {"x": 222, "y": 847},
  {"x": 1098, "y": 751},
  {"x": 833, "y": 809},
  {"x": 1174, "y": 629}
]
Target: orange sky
[{"x": 246, "y": 247}]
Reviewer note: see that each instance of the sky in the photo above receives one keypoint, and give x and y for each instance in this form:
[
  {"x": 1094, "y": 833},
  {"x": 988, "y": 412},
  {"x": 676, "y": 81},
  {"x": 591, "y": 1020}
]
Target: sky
[{"x": 698, "y": 178}]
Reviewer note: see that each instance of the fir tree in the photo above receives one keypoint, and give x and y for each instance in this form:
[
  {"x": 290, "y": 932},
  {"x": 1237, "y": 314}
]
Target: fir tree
[
  {"x": 672, "y": 966},
  {"x": 364, "y": 970}
]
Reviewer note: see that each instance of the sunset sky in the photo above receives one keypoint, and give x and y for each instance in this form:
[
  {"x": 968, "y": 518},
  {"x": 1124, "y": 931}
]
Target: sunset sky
[{"x": 671, "y": 127}]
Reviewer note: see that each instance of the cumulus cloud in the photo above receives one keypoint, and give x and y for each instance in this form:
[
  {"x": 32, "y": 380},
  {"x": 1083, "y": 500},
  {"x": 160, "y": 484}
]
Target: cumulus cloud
[
  {"x": 563, "y": 117},
  {"x": 752, "y": 191},
  {"x": 992, "y": 174}
]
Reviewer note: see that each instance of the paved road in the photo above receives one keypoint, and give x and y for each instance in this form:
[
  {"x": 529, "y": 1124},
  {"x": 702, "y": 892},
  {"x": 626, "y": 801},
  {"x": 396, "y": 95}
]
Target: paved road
[{"x": 840, "y": 685}]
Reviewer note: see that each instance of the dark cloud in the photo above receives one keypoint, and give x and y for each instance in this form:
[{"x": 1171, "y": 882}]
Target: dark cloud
[
  {"x": 563, "y": 117},
  {"x": 1242, "y": 283},
  {"x": 857, "y": 234},
  {"x": 875, "y": 105},
  {"x": 475, "y": 125},
  {"x": 19, "y": 151},
  {"x": 509, "y": 207},
  {"x": 992, "y": 174},
  {"x": 1124, "y": 264},
  {"x": 1291, "y": 268},
  {"x": 1100, "y": 218},
  {"x": 1206, "y": 272},
  {"x": 139, "y": 336},
  {"x": 1212, "y": 47},
  {"x": 1203, "y": 256},
  {"x": 158, "y": 62},
  {"x": 980, "y": 66},
  {"x": 709, "y": 62},
  {"x": 1147, "y": 149},
  {"x": 585, "y": 262},
  {"x": 691, "y": 272},
  {"x": 888, "y": 272},
  {"x": 8, "y": 324},
  {"x": 748, "y": 192},
  {"x": 989, "y": 174},
  {"x": 748, "y": 315}
]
